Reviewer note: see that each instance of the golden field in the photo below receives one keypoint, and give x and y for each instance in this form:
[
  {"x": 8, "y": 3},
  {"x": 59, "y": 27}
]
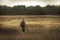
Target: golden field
[{"x": 38, "y": 27}]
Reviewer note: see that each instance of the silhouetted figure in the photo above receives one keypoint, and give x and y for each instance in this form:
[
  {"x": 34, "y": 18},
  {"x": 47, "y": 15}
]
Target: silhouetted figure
[{"x": 23, "y": 25}]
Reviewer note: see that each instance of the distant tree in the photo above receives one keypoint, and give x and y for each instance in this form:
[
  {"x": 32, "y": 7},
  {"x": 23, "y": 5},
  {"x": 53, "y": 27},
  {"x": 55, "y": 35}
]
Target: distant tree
[
  {"x": 30, "y": 10},
  {"x": 38, "y": 10}
]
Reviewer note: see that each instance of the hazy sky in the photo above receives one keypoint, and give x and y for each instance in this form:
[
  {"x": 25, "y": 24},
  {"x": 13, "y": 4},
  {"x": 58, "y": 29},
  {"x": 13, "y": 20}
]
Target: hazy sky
[{"x": 29, "y": 2}]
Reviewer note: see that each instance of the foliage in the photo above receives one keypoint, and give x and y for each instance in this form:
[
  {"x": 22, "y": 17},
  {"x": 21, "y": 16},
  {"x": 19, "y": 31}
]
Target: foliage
[{"x": 30, "y": 10}]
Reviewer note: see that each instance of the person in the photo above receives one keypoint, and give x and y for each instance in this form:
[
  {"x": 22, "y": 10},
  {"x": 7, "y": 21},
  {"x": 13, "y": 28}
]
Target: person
[{"x": 22, "y": 24}]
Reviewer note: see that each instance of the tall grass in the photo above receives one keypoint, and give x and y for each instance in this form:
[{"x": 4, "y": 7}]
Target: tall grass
[{"x": 36, "y": 28}]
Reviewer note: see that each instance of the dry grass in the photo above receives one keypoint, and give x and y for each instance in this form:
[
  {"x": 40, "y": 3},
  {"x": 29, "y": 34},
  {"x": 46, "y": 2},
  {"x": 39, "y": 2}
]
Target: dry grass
[{"x": 37, "y": 28}]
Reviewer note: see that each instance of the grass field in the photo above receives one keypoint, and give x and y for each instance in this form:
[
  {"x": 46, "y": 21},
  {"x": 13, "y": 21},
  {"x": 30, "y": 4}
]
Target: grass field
[{"x": 38, "y": 27}]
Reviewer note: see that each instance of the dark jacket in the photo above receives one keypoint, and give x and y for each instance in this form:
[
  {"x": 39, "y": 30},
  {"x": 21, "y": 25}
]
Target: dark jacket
[{"x": 22, "y": 24}]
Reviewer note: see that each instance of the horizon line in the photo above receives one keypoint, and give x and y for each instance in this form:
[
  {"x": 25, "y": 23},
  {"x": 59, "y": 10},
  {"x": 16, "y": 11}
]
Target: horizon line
[{"x": 28, "y": 6}]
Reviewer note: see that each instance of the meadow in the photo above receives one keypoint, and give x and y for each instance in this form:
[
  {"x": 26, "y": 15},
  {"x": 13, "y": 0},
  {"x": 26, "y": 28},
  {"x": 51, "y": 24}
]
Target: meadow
[{"x": 38, "y": 27}]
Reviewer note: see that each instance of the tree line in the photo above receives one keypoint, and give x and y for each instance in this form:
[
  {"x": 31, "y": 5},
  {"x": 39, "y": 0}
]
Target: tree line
[{"x": 30, "y": 10}]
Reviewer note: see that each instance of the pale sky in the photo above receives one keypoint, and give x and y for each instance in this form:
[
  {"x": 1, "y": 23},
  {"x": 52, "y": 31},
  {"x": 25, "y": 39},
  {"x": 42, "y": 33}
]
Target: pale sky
[{"x": 29, "y": 2}]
